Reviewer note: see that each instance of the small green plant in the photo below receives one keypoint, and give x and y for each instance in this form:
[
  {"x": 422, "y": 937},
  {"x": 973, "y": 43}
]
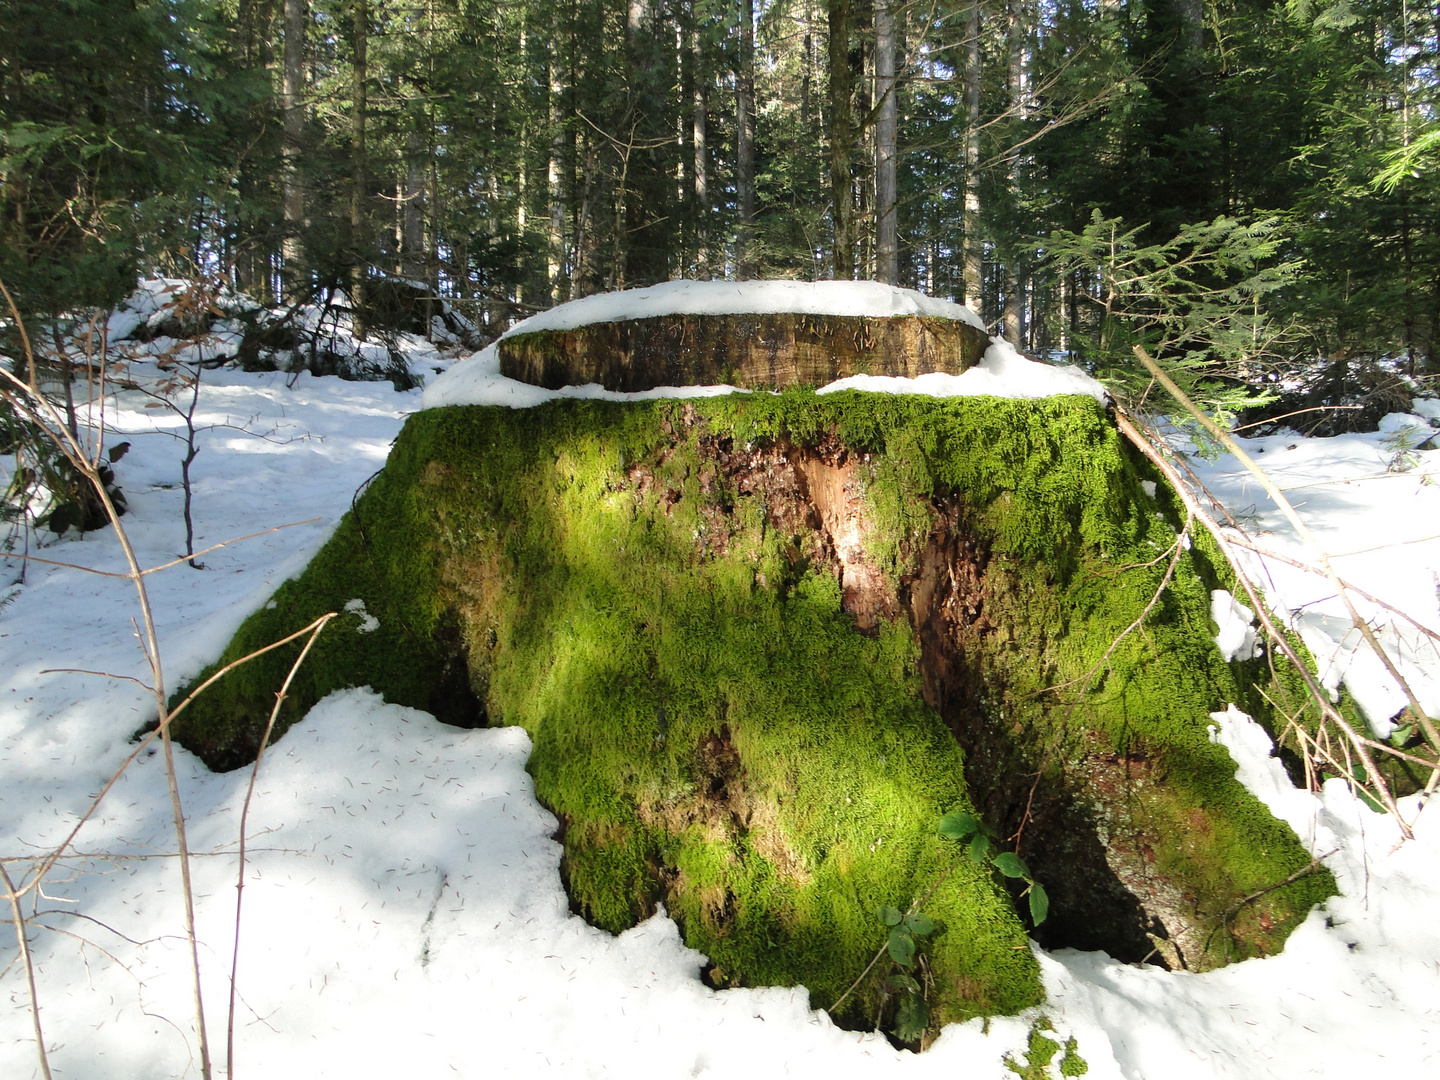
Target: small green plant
[
  {"x": 912, "y": 1014},
  {"x": 45, "y": 478},
  {"x": 1401, "y": 446},
  {"x": 967, "y": 829},
  {"x": 1041, "y": 1053},
  {"x": 902, "y": 945}
]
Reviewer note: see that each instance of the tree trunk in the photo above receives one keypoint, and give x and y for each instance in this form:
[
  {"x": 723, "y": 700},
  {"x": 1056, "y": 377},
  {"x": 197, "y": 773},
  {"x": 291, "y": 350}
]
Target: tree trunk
[
  {"x": 292, "y": 90},
  {"x": 974, "y": 247},
  {"x": 745, "y": 142},
  {"x": 434, "y": 207},
  {"x": 862, "y": 151},
  {"x": 699, "y": 109},
  {"x": 252, "y": 22},
  {"x": 842, "y": 92},
  {"x": 361, "y": 31},
  {"x": 1190, "y": 14},
  {"x": 412, "y": 217},
  {"x": 685, "y": 135},
  {"x": 886, "y": 127},
  {"x": 460, "y": 268},
  {"x": 807, "y": 66},
  {"x": 1062, "y": 292},
  {"x": 1431, "y": 362},
  {"x": 1408, "y": 276},
  {"x": 648, "y": 193},
  {"x": 584, "y": 222},
  {"x": 555, "y": 239},
  {"x": 1015, "y": 91}
]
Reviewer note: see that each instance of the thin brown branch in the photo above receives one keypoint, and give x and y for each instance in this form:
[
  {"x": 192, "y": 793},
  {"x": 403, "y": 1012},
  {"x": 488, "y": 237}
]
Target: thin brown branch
[
  {"x": 1385, "y": 547},
  {"x": 87, "y": 918},
  {"x": 319, "y": 625},
  {"x": 213, "y": 679},
  {"x": 1304, "y": 871},
  {"x": 1301, "y": 565},
  {"x": 25, "y": 957},
  {"x": 152, "y": 648},
  {"x": 118, "y": 857},
  {"x": 98, "y": 674},
  {"x": 70, "y": 566},
  {"x": 173, "y": 562},
  {"x": 1373, "y": 744},
  {"x": 1276, "y": 636},
  {"x": 227, "y": 543},
  {"x": 1297, "y": 412},
  {"x": 66, "y": 441},
  {"x": 24, "y": 343},
  {"x": 1422, "y": 718},
  {"x": 1179, "y": 547}
]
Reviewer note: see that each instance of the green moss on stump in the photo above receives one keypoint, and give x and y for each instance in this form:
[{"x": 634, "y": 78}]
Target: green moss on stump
[{"x": 762, "y": 643}]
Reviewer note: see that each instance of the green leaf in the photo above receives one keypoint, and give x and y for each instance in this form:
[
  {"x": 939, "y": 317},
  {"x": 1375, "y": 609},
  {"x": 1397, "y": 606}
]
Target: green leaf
[
  {"x": 919, "y": 923},
  {"x": 958, "y": 825},
  {"x": 1011, "y": 865},
  {"x": 1039, "y": 904},
  {"x": 979, "y": 849},
  {"x": 901, "y": 981},
  {"x": 890, "y": 916},
  {"x": 1369, "y": 800},
  {"x": 62, "y": 517},
  {"x": 902, "y": 947},
  {"x": 912, "y": 1017}
]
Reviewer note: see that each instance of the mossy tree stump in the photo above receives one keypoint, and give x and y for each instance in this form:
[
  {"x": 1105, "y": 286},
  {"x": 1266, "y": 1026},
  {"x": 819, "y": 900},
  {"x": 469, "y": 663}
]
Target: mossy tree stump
[
  {"x": 763, "y": 642},
  {"x": 753, "y": 351}
]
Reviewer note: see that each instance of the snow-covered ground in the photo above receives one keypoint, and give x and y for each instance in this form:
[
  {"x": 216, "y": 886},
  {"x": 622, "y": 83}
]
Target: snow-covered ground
[{"x": 403, "y": 910}]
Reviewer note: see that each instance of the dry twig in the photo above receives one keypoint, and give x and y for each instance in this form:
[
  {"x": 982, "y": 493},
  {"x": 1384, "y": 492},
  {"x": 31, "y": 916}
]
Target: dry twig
[
  {"x": 314, "y": 628},
  {"x": 1151, "y": 447},
  {"x": 1427, "y": 724}
]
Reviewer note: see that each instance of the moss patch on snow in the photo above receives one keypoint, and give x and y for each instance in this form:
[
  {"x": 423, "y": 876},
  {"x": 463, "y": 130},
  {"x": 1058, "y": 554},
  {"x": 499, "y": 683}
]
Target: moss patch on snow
[{"x": 745, "y": 711}]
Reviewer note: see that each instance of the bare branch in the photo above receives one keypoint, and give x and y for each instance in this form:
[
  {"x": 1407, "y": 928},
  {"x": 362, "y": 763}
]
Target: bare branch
[
  {"x": 318, "y": 625},
  {"x": 23, "y": 942},
  {"x": 1427, "y": 724},
  {"x": 98, "y": 674},
  {"x": 173, "y": 562},
  {"x": 1277, "y": 637}
]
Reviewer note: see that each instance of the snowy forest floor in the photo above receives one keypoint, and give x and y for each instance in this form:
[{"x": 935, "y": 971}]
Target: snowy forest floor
[{"x": 403, "y": 907}]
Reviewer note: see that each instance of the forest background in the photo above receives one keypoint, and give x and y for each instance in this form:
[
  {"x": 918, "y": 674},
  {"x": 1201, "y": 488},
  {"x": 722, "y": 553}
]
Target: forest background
[{"x": 1244, "y": 186}]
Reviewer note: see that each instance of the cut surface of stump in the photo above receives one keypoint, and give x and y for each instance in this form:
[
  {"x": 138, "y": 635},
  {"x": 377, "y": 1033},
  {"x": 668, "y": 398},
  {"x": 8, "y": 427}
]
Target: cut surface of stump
[{"x": 768, "y": 351}]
